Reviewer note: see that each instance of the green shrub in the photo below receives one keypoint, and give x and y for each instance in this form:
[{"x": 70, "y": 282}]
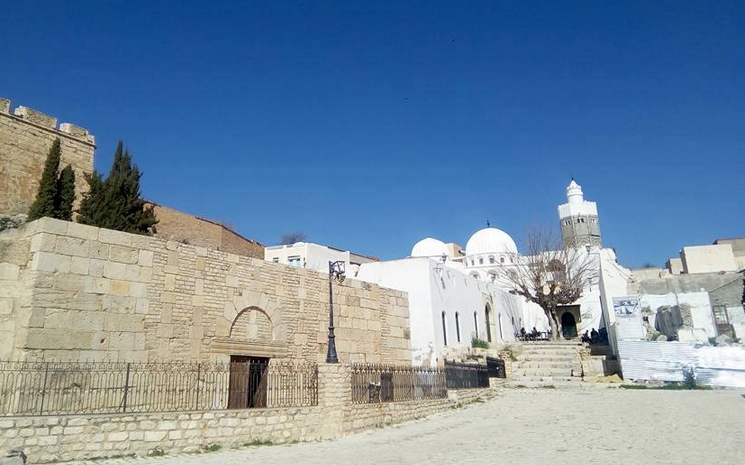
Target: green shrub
[
  {"x": 156, "y": 452},
  {"x": 477, "y": 343}
]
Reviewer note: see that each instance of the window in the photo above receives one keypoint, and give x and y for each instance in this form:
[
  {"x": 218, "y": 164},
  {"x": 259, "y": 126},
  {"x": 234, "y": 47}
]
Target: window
[
  {"x": 720, "y": 315},
  {"x": 457, "y": 326},
  {"x": 476, "y": 323},
  {"x": 294, "y": 261},
  {"x": 491, "y": 259},
  {"x": 275, "y": 260},
  {"x": 481, "y": 260},
  {"x": 444, "y": 329},
  {"x": 472, "y": 262},
  {"x": 501, "y": 259},
  {"x": 487, "y": 310}
]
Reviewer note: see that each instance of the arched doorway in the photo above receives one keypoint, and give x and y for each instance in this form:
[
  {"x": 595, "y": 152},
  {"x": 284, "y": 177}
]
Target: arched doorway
[{"x": 568, "y": 325}]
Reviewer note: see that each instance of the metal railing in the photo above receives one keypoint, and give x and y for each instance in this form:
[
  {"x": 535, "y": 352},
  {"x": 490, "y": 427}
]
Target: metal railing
[
  {"x": 389, "y": 383},
  {"x": 466, "y": 375},
  {"x": 53, "y": 388}
]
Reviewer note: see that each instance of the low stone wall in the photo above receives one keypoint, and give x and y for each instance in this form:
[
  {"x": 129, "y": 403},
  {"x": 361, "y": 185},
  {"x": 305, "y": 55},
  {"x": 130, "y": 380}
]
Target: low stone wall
[{"x": 63, "y": 438}]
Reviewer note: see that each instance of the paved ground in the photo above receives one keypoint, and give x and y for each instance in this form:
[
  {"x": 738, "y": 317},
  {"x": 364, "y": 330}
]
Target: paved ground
[{"x": 541, "y": 426}]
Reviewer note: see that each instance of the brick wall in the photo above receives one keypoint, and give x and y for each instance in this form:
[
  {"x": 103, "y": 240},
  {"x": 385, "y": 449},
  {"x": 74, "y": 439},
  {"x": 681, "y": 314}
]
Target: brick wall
[
  {"x": 174, "y": 225},
  {"x": 25, "y": 138}
]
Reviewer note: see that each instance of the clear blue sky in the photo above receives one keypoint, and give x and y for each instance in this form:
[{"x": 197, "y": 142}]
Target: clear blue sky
[{"x": 369, "y": 126}]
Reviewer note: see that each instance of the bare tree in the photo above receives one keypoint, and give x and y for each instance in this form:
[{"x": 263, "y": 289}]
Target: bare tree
[
  {"x": 291, "y": 238},
  {"x": 549, "y": 275}
]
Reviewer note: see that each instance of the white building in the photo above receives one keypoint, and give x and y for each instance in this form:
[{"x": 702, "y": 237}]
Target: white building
[
  {"x": 447, "y": 306},
  {"x": 315, "y": 257}
]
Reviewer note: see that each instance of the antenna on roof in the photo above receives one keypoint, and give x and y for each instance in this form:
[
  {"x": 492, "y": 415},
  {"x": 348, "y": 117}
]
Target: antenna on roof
[{"x": 488, "y": 225}]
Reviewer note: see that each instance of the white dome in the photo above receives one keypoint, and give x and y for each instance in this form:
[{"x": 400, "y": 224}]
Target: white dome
[
  {"x": 490, "y": 240},
  {"x": 429, "y": 247}
]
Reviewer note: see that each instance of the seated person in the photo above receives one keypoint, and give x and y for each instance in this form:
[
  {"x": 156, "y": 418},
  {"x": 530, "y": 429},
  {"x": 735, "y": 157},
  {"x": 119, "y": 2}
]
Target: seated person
[{"x": 586, "y": 337}]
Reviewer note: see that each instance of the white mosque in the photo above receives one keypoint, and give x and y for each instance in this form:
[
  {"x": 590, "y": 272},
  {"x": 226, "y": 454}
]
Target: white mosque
[{"x": 457, "y": 295}]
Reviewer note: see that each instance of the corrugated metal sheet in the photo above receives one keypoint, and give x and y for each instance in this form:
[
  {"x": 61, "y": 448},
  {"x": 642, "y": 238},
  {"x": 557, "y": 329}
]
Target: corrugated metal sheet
[{"x": 665, "y": 361}]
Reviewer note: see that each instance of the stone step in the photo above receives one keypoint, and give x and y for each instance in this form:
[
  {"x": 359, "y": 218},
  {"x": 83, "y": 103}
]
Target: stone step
[
  {"x": 545, "y": 379},
  {"x": 545, "y": 384},
  {"x": 535, "y": 359},
  {"x": 537, "y": 364},
  {"x": 539, "y": 372}
]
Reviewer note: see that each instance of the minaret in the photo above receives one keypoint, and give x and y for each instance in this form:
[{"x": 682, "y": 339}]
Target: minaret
[{"x": 579, "y": 219}]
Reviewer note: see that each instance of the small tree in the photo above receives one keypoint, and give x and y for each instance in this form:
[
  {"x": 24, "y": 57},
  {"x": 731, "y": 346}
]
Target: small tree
[
  {"x": 115, "y": 203},
  {"x": 65, "y": 194},
  {"x": 44, "y": 204},
  {"x": 56, "y": 194},
  {"x": 291, "y": 238},
  {"x": 550, "y": 275}
]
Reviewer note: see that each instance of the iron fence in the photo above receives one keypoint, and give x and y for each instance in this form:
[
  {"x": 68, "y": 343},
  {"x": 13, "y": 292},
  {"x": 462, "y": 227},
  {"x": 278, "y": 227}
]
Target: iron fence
[
  {"x": 466, "y": 375},
  {"x": 389, "y": 383},
  {"x": 54, "y": 388}
]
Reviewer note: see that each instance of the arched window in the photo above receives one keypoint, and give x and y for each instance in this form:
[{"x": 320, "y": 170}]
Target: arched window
[
  {"x": 501, "y": 259},
  {"x": 499, "y": 321},
  {"x": 487, "y": 310},
  {"x": 491, "y": 259},
  {"x": 444, "y": 329},
  {"x": 472, "y": 262},
  {"x": 481, "y": 260},
  {"x": 457, "y": 326},
  {"x": 476, "y": 323}
]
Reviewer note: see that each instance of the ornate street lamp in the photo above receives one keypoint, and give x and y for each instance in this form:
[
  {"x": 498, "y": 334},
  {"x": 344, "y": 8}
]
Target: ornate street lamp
[{"x": 336, "y": 272}]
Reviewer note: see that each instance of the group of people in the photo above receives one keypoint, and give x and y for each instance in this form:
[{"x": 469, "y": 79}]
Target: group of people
[
  {"x": 596, "y": 337},
  {"x": 534, "y": 335}
]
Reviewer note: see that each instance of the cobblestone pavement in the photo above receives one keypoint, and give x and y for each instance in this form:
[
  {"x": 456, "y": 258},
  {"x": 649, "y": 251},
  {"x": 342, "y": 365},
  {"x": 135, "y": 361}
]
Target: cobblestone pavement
[{"x": 541, "y": 426}]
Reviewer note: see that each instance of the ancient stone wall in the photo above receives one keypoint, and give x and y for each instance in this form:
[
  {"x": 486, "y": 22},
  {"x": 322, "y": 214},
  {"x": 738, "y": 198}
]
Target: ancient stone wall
[
  {"x": 72, "y": 292},
  {"x": 174, "y": 225},
  {"x": 65, "y": 438},
  {"x": 25, "y": 138}
]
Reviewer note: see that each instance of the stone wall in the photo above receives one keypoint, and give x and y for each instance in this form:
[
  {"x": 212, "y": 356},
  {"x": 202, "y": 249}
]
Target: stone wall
[
  {"x": 25, "y": 138},
  {"x": 174, "y": 225},
  {"x": 71, "y": 292},
  {"x": 63, "y": 438}
]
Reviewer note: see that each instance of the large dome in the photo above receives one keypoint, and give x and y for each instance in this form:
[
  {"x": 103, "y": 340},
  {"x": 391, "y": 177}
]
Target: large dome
[
  {"x": 490, "y": 240},
  {"x": 429, "y": 247}
]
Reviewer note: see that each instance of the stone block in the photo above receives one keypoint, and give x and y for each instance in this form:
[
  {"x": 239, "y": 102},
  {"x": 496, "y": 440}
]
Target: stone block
[
  {"x": 109, "y": 236},
  {"x": 71, "y": 246},
  {"x": 145, "y": 258},
  {"x": 114, "y": 270},
  {"x": 99, "y": 251},
  {"x": 4, "y": 105},
  {"x": 122, "y": 254},
  {"x": 79, "y": 265},
  {"x": 120, "y": 288},
  {"x": 52, "y": 225},
  {"x": 43, "y": 242},
  {"x": 6, "y": 306},
  {"x": 52, "y": 262},
  {"x": 9, "y": 271}
]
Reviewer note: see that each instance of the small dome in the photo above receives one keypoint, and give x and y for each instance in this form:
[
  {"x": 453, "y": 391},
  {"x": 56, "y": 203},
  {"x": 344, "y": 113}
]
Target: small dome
[
  {"x": 490, "y": 240},
  {"x": 429, "y": 247}
]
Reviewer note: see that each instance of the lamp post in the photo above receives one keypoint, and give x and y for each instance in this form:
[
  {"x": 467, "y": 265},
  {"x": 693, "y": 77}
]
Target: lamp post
[{"x": 336, "y": 272}]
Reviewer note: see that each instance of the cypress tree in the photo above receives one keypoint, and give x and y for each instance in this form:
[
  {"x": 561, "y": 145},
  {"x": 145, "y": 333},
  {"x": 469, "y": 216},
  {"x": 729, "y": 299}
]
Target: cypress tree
[
  {"x": 44, "y": 204},
  {"x": 65, "y": 194},
  {"x": 115, "y": 203}
]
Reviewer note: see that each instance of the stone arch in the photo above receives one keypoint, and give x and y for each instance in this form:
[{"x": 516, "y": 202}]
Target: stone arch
[{"x": 252, "y": 324}]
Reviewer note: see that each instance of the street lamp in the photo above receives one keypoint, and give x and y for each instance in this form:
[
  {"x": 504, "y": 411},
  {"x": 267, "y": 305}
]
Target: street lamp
[{"x": 336, "y": 271}]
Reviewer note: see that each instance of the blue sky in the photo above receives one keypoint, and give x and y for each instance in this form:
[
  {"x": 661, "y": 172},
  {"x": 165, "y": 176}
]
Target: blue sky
[{"x": 370, "y": 125}]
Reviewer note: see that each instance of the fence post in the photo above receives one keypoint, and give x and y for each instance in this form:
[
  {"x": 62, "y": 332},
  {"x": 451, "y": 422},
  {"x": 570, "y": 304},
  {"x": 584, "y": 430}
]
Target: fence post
[
  {"x": 126, "y": 390},
  {"x": 44, "y": 387},
  {"x": 199, "y": 370}
]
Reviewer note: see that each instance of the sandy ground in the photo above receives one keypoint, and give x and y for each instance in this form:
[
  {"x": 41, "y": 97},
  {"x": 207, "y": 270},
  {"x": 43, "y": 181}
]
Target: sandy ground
[{"x": 536, "y": 426}]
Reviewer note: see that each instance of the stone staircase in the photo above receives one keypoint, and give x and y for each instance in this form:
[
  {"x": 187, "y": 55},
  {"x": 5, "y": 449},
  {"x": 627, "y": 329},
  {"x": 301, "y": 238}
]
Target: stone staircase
[{"x": 546, "y": 364}]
